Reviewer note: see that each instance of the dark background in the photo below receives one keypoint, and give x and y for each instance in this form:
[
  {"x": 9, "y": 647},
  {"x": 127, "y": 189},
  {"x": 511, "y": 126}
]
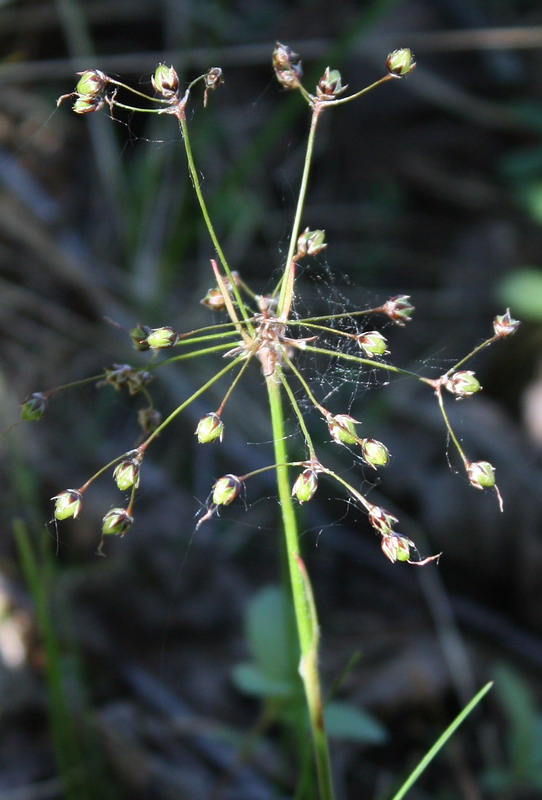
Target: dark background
[{"x": 430, "y": 187}]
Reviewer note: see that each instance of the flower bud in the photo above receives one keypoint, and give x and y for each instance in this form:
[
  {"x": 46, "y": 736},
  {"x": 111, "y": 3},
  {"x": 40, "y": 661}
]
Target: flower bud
[
  {"x": 214, "y": 299},
  {"x": 287, "y": 66},
  {"x": 400, "y": 62},
  {"x": 504, "y": 325},
  {"x": 305, "y": 486},
  {"x": 463, "y": 383},
  {"x": 226, "y": 490},
  {"x": 91, "y": 83},
  {"x": 481, "y": 474},
  {"x": 126, "y": 474},
  {"x": 330, "y": 85},
  {"x": 398, "y": 308},
  {"x": 396, "y": 547},
  {"x": 342, "y": 427},
  {"x": 374, "y": 453},
  {"x": 33, "y": 407},
  {"x": 165, "y": 81},
  {"x": 139, "y": 335},
  {"x": 87, "y": 105},
  {"x": 310, "y": 243},
  {"x": 148, "y": 419},
  {"x": 372, "y": 343},
  {"x": 116, "y": 522},
  {"x": 210, "y": 427},
  {"x": 161, "y": 338},
  {"x": 382, "y": 520},
  {"x": 67, "y": 504}
]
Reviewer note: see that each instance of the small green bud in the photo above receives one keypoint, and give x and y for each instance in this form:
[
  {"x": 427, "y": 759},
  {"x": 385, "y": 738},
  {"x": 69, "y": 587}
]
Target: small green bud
[
  {"x": 310, "y": 243},
  {"x": 33, "y": 407},
  {"x": 87, "y": 105},
  {"x": 330, "y": 85},
  {"x": 161, "y": 338},
  {"x": 91, "y": 83},
  {"x": 400, "y": 62},
  {"x": 396, "y": 547},
  {"x": 504, "y": 325},
  {"x": 116, "y": 522},
  {"x": 342, "y": 427},
  {"x": 226, "y": 490},
  {"x": 372, "y": 343},
  {"x": 382, "y": 520},
  {"x": 165, "y": 81},
  {"x": 138, "y": 335},
  {"x": 126, "y": 473},
  {"x": 374, "y": 453},
  {"x": 148, "y": 419},
  {"x": 210, "y": 427},
  {"x": 305, "y": 486},
  {"x": 399, "y": 308},
  {"x": 68, "y": 504},
  {"x": 481, "y": 474},
  {"x": 287, "y": 66},
  {"x": 463, "y": 383}
]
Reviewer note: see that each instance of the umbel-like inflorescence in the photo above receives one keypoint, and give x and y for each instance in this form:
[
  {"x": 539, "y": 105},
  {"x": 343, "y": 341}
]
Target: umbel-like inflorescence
[{"x": 259, "y": 329}]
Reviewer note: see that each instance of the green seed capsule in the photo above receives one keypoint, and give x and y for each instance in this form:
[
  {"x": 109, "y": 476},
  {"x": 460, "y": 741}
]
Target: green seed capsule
[{"x": 68, "y": 504}]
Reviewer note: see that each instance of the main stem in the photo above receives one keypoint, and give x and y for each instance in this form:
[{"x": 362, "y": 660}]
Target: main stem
[{"x": 305, "y": 615}]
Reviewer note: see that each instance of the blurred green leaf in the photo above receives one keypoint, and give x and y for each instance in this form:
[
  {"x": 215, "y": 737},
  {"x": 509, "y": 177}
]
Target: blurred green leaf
[
  {"x": 521, "y": 290},
  {"x": 345, "y": 721}
]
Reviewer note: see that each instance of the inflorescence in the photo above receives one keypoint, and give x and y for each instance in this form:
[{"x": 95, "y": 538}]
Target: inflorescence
[{"x": 260, "y": 329}]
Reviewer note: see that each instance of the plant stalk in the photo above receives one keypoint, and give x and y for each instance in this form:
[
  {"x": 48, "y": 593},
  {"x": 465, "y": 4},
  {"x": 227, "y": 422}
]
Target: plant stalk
[{"x": 304, "y": 609}]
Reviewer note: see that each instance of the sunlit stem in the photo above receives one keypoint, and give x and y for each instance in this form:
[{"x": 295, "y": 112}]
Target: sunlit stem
[
  {"x": 305, "y": 613},
  {"x": 368, "y": 362},
  {"x": 298, "y": 413},
  {"x": 343, "y": 315},
  {"x": 207, "y": 337},
  {"x": 268, "y": 468},
  {"x": 187, "y": 402},
  {"x": 197, "y": 331},
  {"x": 453, "y": 437},
  {"x": 286, "y": 287},
  {"x": 233, "y": 385},
  {"x": 204, "y": 351},
  {"x": 136, "y": 92},
  {"x": 339, "y": 101},
  {"x": 140, "y": 110},
  {"x": 203, "y": 206},
  {"x": 305, "y": 385},
  {"x": 101, "y": 471},
  {"x": 472, "y": 353},
  {"x": 349, "y": 488}
]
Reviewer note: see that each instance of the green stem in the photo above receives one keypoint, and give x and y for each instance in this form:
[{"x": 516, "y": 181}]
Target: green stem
[
  {"x": 285, "y": 298},
  {"x": 305, "y": 614},
  {"x": 203, "y": 206},
  {"x": 299, "y": 415},
  {"x": 367, "y": 362},
  {"x": 453, "y": 437},
  {"x": 187, "y": 402}
]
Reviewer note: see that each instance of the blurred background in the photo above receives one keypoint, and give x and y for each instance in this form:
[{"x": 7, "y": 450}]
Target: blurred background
[{"x": 120, "y": 677}]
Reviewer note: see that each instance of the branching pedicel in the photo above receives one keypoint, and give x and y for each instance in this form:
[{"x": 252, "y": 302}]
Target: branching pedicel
[{"x": 263, "y": 330}]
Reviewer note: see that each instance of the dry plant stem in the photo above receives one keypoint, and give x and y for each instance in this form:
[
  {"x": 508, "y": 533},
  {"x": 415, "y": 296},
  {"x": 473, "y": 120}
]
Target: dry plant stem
[{"x": 305, "y": 613}]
